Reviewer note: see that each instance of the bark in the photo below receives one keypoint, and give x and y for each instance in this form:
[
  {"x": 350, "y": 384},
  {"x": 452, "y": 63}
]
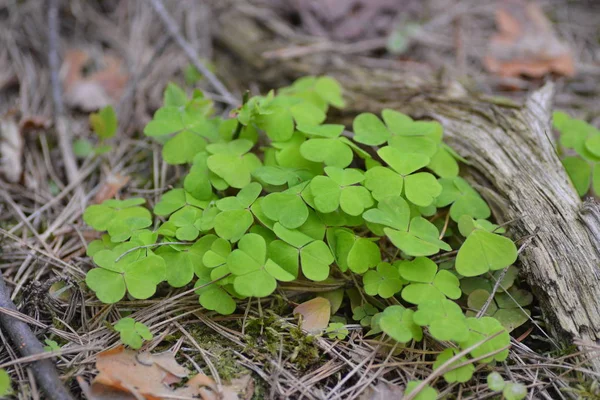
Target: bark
[{"x": 511, "y": 153}]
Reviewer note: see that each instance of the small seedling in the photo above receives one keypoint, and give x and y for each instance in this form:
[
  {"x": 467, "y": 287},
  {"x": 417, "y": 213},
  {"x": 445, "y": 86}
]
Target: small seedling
[{"x": 133, "y": 333}]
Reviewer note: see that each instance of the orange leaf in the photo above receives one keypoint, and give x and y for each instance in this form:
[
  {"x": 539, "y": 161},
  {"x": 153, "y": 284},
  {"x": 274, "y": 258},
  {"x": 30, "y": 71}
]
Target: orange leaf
[
  {"x": 526, "y": 44},
  {"x": 315, "y": 314}
]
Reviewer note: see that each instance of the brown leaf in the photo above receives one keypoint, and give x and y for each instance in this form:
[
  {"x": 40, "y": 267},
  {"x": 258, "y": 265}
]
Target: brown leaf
[
  {"x": 526, "y": 44},
  {"x": 126, "y": 374},
  {"x": 11, "y": 149},
  {"x": 96, "y": 90},
  {"x": 315, "y": 314},
  {"x": 34, "y": 122},
  {"x": 382, "y": 391},
  {"x": 110, "y": 187}
]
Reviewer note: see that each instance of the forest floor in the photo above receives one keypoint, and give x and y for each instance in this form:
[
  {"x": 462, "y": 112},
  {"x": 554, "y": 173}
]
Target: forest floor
[{"x": 120, "y": 53}]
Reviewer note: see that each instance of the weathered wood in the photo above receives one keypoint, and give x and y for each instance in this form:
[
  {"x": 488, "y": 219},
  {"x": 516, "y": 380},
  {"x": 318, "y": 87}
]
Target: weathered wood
[{"x": 512, "y": 160}]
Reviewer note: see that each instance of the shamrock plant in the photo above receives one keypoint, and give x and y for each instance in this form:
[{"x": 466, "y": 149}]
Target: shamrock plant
[
  {"x": 277, "y": 194},
  {"x": 133, "y": 333},
  {"x": 579, "y": 146}
]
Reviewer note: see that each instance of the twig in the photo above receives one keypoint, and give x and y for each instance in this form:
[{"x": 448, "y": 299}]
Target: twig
[
  {"x": 27, "y": 344},
  {"x": 192, "y": 54},
  {"x": 60, "y": 121}
]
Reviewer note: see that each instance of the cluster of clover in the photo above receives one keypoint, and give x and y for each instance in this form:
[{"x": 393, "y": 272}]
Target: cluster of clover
[
  {"x": 274, "y": 194},
  {"x": 579, "y": 146}
]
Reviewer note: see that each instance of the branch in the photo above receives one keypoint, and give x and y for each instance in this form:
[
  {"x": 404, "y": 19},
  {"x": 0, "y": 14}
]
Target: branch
[
  {"x": 192, "y": 54},
  {"x": 27, "y": 344}
]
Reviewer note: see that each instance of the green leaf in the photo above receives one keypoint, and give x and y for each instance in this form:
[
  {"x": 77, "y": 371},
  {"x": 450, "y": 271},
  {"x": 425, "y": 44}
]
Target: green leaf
[
  {"x": 463, "y": 198},
  {"x": 363, "y": 255},
  {"x": 181, "y": 265},
  {"x": 326, "y": 193},
  {"x": 287, "y": 208},
  {"x": 183, "y": 147},
  {"x": 495, "y": 382},
  {"x": 197, "y": 181},
  {"x": 330, "y": 131},
  {"x": 393, "y": 212},
  {"x": 421, "y": 188},
  {"x": 384, "y": 282},
  {"x": 444, "y": 318},
  {"x": 5, "y": 388},
  {"x": 369, "y": 130},
  {"x": 142, "y": 276},
  {"x": 104, "y": 122},
  {"x": 231, "y": 225},
  {"x": 51, "y": 345},
  {"x": 278, "y": 124},
  {"x": 211, "y": 295},
  {"x": 596, "y": 179},
  {"x": 337, "y": 330},
  {"x": 82, "y": 148},
  {"x": 255, "y": 274},
  {"x": 580, "y": 172},
  {"x": 484, "y": 251},
  {"x": 332, "y": 152},
  {"x": 133, "y": 333},
  {"x": 397, "y": 322},
  {"x": 422, "y": 238},
  {"x": 108, "y": 285},
  {"x": 402, "y": 163},
  {"x": 427, "y": 393},
  {"x": 514, "y": 391},
  {"x": 461, "y": 374},
  {"x": 232, "y": 162},
  {"x": 315, "y": 259},
  {"x": 592, "y": 144},
  {"x": 482, "y": 328},
  {"x": 330, "y": 90},
  {"x": 174, "y": 96},
  {"x": 383, "y": 183},
  {"x": 355, "y": 199}
]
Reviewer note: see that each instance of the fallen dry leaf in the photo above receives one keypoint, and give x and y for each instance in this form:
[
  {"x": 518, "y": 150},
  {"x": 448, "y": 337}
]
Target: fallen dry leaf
[
  {"x": 382, "y": 391},
  {"x": 96, "y": 90},
  {"x": 315, "y": 314},
  {"x": 526, "y": 44},
  {"x": 111, "y": 186},
  {"x": 11, "y": 149},
  {"x": 126, "y": 374}
]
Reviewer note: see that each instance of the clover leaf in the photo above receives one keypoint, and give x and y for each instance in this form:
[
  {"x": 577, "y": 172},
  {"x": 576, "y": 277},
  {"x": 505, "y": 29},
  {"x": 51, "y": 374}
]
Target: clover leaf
[
  {"x": 482, "y": 328},
  {"x": 197, "y": 182},
  {"x": 383, "y": 182},
  {"x": 397, "y": 322},
  {"x": 314, "y": 255},
  {"x": 416, "y": 236},
  {"x": 427, "y": 393},
  {"x": 364, "y": 313},
  {"x": 580, "y": 172},
  {"x": 385, "y": 281},
  {"x": 338, "y": 190},
  {"x": 104, "y": 122},
  {"x": 121, "y": 216},
  {"x": 420, "y": 188},
  {"x": 370, "y": 130},
  {"x": 460, "y": 374},
  {"x": 212, "y": 295},
  {"x": 181, "y": 261},
  {"x": 427, "y": 282},
  {"x": 331, "y": 151},
  {"x": 175, "y": 200},
  {"x": 232, "y": 162},
  {"x": 255, "y": 274},
  {"x": 133, "y": 333},
  {"x": 191, "y": 130},
  {"x": 278, "y": 176},
  {"x": 337, "y": 330},
  {"x": 5, "y": 388},
  {"x": 288, "y": 208},
  {"x": 505, "y": 307},
  {"x": 444, "y": 318},
  {"x": 484, "y": 251},
  {"x": 51, "y": 345},
  {"x": 495, "y": 382},
  {"x": 235, "y": 217},
  {"x": 514, "y": 391},
  {"x": 464, "y": 200},
  {"x": 353, "y": 252},
  {"x": 132, "y": 273}
]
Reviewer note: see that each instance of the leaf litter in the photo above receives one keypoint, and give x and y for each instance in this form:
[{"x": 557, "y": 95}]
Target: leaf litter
[{"x": 127, "y": 374}]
